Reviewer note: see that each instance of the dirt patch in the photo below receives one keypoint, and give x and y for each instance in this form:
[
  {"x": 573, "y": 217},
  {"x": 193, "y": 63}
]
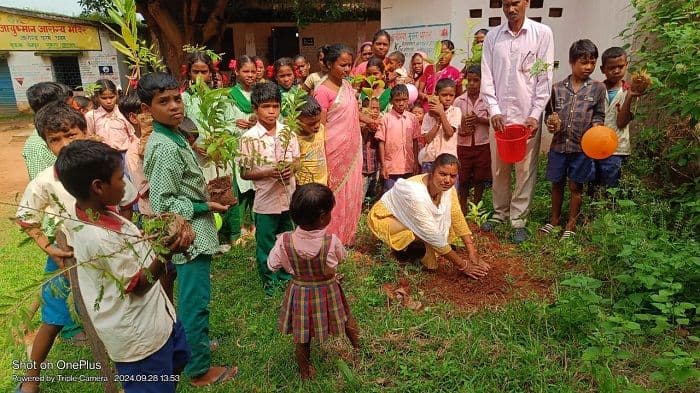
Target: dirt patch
[
  {"x": 13, "y": 172},
  {"x": 508, "y": 280}
]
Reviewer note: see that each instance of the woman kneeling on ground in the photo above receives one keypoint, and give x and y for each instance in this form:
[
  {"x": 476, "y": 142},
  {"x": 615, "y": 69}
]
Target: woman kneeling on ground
[{"x": 421, "y": 216}]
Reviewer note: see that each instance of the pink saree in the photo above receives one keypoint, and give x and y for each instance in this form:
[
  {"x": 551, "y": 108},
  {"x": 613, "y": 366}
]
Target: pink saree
[{"x": 344, "y": 160}]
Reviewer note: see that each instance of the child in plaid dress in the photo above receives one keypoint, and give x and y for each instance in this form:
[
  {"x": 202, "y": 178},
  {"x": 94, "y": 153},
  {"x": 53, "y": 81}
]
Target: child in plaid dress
[{"x": 314, "y": 304}]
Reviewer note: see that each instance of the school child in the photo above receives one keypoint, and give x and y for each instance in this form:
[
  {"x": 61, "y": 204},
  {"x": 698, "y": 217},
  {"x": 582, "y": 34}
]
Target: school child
[
  {"x": 370, "y": 122},
  {"x": 314, "y": 305},
  {"x": 618, "y": 114},
  {"x": 316, "y": 78},
  {"x": 580, "y": 103},
  {"x": 271, "y": 166},
  {"x": 178, "y": 186},
  {"x": 375, "y": 69},
  {"x": 441, "y": 124},
  {"x": 398, "y": 140},
  {"x": 135, "y": 321},
  {"x": 108, "y": 123},
  {"x": 473, "y": 140},
  {"x": 260, "y": 69},
  {"x": 130, "y": 107},
  {"x": 283, "y": 71},
  {"x": 44, "y": 201},
  {"x": 83, "y": 104},
  {"x": 302, "y": 68},
  {"x": 244, "y": 119},
  {"x": 37, "y": 155},
  {"x": 312, "y": 147},
  {"x": 395, "y": 72}
]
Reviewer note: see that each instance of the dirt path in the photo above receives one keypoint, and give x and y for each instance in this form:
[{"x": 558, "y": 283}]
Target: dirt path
[{"x": 13, "y": 172}]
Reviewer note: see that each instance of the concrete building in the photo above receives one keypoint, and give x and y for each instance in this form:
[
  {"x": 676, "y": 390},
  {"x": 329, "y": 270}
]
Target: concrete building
[
  {"x": 418, "y": 24},
  {"x": 38, "y": 47},
  {"x": 414, "y": 25}
]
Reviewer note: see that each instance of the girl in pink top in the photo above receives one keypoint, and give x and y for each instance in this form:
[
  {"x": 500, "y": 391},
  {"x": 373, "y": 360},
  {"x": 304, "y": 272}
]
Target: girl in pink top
[
  {"x": 314, "y": 304},
  {"x": 108, "y": 123},
  {"x": 440, "y": 70},
  {"x": 340, "y": 116}
]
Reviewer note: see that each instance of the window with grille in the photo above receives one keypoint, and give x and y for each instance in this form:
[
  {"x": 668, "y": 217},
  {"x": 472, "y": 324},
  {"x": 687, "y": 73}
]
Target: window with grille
[{"x": 67, "y": 71}]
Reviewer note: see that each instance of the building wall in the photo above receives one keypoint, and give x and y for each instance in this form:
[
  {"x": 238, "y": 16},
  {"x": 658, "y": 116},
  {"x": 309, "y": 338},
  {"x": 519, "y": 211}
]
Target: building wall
[
  {"x": 601, "y": 21},
  {"x": 247, "y": 36},
  {"x": 27, "y": 69}
]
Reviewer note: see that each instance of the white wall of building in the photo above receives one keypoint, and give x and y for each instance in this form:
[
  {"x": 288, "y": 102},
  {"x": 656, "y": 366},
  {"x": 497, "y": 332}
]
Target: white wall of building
[
  {"x": 601, "y": 21},
  {"x": 27, "y": 69}
]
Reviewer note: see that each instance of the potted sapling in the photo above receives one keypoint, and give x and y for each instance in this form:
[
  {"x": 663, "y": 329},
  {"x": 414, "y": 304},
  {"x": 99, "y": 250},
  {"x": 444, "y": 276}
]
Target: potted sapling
[{"x": 219, "y": 145}]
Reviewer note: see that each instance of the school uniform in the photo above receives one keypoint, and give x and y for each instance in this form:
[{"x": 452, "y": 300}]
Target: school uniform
[
  {"x": 177, "y": 185},
  {"x": 141, "y": 333},
  {"x": 314, "y": 305},
  {"x": 473, "y": 150},
  {"x": 398, "y": 132},
  {"x": 440, "y": 144},
  {"x": 259, "y": 150},
  {"x": 45, "y": 202}
]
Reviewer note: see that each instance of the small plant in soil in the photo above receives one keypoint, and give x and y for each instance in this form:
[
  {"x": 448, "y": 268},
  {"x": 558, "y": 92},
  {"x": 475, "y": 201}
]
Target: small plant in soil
[
  {"x": 220, "y": 145},
  {"x": 477, "y": 213}
]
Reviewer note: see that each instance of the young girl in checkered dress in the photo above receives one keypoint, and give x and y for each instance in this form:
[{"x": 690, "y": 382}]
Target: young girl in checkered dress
[{"x": 314, "y": 304}]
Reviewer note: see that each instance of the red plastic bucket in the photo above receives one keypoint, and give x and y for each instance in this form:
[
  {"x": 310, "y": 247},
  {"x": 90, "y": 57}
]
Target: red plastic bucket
[{"x": 512, "y": 142}]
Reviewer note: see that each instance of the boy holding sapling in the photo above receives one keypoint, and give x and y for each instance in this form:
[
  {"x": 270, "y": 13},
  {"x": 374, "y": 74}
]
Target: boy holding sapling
[
  {"x": 618, "y": 111},
  {"x": 133, "y": 318},
  {"x": 269, "y": 157},
  {"x": 578, "y": 103},
  {"x": 45, "y": 197},
  {"x": 177, "y": 186}
]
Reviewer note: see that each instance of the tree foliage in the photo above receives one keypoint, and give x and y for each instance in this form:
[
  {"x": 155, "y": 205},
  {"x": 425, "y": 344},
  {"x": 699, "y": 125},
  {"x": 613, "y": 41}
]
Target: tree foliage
[{"x": 665, "y": 40}]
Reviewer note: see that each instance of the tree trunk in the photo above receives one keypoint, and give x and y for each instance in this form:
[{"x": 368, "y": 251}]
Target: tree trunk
[
  {"x": 99, "y": 353},
  {"x": 170, "y": 33}
]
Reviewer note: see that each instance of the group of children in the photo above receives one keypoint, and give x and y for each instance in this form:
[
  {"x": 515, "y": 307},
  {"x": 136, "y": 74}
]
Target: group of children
[{"x": 146, "y": 161}]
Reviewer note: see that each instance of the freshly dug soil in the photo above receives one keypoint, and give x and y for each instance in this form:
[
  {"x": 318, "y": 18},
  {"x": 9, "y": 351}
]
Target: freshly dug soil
[
  {"x": 507, "y": 280},
  {"x": 221, "y": 190}
]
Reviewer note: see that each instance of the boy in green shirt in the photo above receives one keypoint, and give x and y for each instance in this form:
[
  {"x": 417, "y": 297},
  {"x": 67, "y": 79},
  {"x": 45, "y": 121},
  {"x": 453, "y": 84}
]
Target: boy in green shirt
[{"x": 177, "y": 185}]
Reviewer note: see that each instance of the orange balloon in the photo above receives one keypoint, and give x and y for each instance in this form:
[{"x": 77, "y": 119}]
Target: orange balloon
[{"x": 599, "y": 142}]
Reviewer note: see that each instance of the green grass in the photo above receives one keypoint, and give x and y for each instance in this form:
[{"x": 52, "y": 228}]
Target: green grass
[{"x": 519, "y": 347}]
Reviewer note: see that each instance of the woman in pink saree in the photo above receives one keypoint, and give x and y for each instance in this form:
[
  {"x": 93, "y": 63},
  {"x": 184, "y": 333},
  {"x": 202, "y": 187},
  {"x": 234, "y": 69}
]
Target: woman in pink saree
[{"x": 340, "y": 116}]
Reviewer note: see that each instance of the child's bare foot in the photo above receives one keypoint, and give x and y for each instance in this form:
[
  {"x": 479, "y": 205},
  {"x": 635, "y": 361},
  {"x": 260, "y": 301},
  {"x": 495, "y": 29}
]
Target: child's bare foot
[
  {"x": 309, "y": 373},
  {"x": 27, "y": 387},
  {"x": 215, "y": 375}
]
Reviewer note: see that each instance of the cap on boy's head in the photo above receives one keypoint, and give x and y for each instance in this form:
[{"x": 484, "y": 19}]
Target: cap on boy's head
[
  {"x": 84, "y": 161},
  {"x": 130, "y": 103},
  {"x": 155, "y": 82},
  {"x": 44, "y": 92},
  {"x": 582, "y": 49},
  {"x": 309, "y": 201},
  {"x": 265, "y": 92},
  {"x": 399, "y": 91},
  {"x": 398, "y": 57},
  {"x": 612, "y": 53},
  {"x": 310, "y": 108},
  {"x": 474, "y": 69},
  {"x": 444, "y": 83},
  {"x": 57, "y": 116}
]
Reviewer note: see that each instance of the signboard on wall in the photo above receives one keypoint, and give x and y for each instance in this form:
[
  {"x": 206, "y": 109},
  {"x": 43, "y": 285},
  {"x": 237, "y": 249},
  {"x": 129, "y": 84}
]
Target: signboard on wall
[
  {"x": 22, "y": 33},
  {"x": 411, "y": 39}
]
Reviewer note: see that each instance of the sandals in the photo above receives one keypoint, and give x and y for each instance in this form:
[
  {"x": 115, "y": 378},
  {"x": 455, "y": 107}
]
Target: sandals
[
  {"x": 547, "y": 229},
  {"x": 229, "y": 373},
  {"x": 567, "y": 235}
]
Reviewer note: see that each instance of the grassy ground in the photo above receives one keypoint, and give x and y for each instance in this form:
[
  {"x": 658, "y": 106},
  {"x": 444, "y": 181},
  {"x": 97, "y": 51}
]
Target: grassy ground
[{"x": 518, "y": 347}]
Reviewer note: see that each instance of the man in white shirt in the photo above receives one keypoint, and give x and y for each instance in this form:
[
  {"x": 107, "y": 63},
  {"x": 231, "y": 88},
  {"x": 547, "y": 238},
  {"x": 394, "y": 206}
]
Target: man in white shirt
[{"x": 516, "y": 90}]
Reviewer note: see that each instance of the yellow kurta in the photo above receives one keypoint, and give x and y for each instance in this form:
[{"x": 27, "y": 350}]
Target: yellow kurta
[
  {"x": 390, "y": 231},
  {"x": 312, "y": 152}
]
